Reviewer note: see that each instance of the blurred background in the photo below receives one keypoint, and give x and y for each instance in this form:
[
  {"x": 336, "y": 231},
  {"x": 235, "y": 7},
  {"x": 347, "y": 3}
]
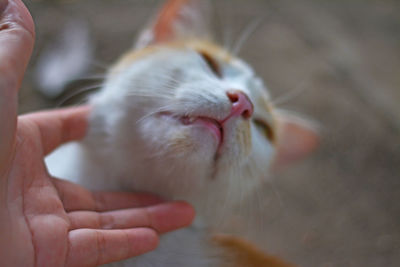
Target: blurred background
[{"x": 338, "y": 62}]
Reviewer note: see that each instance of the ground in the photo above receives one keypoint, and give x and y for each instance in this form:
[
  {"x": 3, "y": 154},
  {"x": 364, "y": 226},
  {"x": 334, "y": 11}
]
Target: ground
[{"x": 340, "y": 207}]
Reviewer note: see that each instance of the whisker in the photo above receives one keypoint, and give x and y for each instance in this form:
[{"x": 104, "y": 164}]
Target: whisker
[
  {"x": 228, "y": 27},
  {"x": 246, "y": 34},
  {"x": 259, "y": 209},
  {"x": 169, "y": 82},
  {"x": 277, "y": 195},
  {"x": 88, "y": 77},
  {"x": 287, "y": 96},
  {"x": 161, "y": 109},
  {"x": 93, "y": 77},
  {"x": 226, "y": 202},
  {"x": 99, "y": 64},
  {"x": 275, "y": 191},
  {"x": 78, "y": 92},
  {"x": 217, "y": 19},
  {"x": 140, "y": 94}
]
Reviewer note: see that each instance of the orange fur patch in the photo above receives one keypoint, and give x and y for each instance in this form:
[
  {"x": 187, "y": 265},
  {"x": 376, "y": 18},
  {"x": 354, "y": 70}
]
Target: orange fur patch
[
  {"x": 239, "y": 253},
  {"x": 209, "y": 47}
]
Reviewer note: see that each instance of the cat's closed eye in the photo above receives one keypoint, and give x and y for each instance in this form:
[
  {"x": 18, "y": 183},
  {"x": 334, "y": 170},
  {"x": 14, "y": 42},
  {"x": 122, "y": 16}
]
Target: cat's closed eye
[
  {"x": 265, "y": 128},
  {"x": 212, "y": 63}
]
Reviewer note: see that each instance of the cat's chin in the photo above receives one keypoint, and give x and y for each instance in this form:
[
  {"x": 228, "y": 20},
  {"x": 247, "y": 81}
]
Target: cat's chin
[{"x": 201, "y": 124}]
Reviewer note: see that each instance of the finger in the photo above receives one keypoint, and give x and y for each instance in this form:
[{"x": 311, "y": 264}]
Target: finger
[
  {"x": 16, "y": 44},
  {"x": 88, "y": 247},
  {"x": 59, "y": 126},
  {"x": 76, "y": 197},
  {"x": 163, "y": 218}
]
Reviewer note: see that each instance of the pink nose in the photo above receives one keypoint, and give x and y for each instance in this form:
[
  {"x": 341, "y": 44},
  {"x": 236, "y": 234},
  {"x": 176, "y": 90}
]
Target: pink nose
[{"x": 241, "y": 104}]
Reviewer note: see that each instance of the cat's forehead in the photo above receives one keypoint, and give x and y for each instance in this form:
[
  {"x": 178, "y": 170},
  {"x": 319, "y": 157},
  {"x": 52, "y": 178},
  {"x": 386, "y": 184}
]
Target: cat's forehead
[{"x": 218, "y": 53}]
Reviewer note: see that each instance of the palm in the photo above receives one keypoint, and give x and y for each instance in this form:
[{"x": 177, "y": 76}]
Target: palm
[
  {"x": 56, "y": 222},
  {"x": 37, "y": 211}
]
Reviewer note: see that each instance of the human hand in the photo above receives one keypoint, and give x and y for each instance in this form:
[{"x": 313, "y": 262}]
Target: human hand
[{"x": 45, "y": 221}]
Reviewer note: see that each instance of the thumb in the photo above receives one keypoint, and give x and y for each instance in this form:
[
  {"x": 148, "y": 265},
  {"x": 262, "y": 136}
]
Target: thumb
[{"x": 16, "y": 44}]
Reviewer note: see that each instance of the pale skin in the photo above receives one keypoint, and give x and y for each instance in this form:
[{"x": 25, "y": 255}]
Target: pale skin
[{"x": 45, "y": 221}]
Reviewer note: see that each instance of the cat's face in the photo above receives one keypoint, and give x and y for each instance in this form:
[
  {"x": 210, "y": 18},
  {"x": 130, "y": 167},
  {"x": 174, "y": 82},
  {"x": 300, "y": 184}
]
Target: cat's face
[
  {"x": 195, "y": 100},
  {"x": 185, "y": 117},
  {"x": 192, "y": 103}
]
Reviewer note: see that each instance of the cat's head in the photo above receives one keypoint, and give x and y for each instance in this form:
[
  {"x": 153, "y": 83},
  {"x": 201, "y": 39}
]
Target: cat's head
[{"x": 183, "y": 117}]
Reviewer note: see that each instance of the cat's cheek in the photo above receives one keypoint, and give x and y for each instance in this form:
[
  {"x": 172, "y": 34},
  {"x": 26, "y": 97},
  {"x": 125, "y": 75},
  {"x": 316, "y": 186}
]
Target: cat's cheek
[
  {"x": 181, "y": 142},
  {"x": 263, "y": 152},
  {"x": 237, "y": 141},
  {"x": 243, "y": 138}
]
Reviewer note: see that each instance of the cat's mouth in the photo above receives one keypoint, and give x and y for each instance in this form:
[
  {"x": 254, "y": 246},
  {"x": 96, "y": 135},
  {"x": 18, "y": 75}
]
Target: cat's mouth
[{"x": 214, "y": 126}]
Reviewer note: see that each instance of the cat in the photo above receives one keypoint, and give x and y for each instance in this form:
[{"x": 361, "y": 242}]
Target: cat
[{"x": 181, "y": 117}]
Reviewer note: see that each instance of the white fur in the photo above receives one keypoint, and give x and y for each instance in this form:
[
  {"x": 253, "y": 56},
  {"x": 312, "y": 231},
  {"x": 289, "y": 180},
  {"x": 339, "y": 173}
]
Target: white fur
[{"x": 130, "y": 146}]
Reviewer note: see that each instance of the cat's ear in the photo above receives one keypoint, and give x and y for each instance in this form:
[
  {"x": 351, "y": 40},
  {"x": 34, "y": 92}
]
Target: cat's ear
[
  {"x": 296, "y": 138},
  {"x": 177, "y": 19}
]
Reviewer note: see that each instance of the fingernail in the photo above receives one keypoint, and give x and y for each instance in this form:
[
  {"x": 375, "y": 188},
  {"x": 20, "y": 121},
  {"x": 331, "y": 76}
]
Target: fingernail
[{"x": 3, "y": 5}]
